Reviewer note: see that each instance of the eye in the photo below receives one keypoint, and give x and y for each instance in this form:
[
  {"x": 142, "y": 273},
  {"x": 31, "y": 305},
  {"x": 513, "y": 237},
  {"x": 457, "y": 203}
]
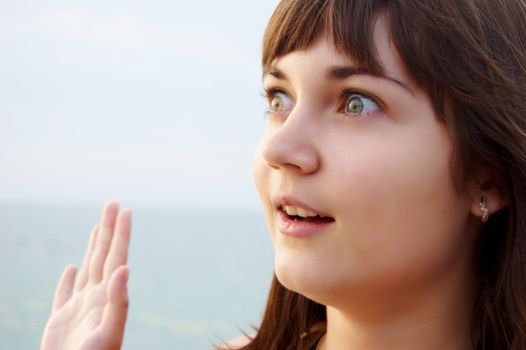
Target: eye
[
  {"x": 278, "y": 101},
  {"x": 358, "y": 104}
]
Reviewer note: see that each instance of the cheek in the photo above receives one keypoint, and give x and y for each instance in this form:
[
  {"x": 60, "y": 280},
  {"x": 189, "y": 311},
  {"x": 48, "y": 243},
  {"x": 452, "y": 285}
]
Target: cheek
[
  {"x": 400, "y": 214},
  {"x": 261, "y": 174},
  {"x": 258, "y": 170}
]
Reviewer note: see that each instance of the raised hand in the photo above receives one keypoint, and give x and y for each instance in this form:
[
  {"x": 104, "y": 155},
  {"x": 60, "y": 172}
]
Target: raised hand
[{"x": 90, "y": 307}]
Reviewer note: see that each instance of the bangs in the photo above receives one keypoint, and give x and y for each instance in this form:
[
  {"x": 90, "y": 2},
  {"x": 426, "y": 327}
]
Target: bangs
[{"x": 297, "y": 24}]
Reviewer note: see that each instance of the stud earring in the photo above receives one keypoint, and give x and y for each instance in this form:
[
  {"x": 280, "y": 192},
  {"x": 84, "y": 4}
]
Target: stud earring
[{"x": 484, "y": 208}]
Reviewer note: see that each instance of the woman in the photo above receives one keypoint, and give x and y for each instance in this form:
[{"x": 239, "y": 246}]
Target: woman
[{"x": 391, "y": 174}]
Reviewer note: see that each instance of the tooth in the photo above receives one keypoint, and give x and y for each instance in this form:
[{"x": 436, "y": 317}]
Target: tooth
[
  {"x": 311, "y": 213},
  {"x": 291, "y": 211},
  {"x": 303, "y": 213}
]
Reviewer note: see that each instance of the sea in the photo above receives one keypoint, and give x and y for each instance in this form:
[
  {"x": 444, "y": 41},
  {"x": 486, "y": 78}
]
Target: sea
[{"x": 198, "y": 276}]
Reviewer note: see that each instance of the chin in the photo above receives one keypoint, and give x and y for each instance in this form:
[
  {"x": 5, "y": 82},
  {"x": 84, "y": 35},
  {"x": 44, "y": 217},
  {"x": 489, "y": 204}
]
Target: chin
[{"x": 305, "y": 276}]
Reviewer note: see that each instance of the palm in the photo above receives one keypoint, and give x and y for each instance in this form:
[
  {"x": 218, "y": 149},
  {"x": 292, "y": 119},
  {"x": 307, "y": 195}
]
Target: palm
[
  {"x": 79, "y": 319},
  {"x": 89, "y": 311}
]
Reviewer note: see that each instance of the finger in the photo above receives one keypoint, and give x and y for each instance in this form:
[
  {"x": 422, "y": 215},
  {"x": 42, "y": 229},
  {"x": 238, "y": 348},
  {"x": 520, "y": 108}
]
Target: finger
[
  {"x": 65, "y": 287},
  {"x": 82, "y": 276},
  {"x": 116, "y": 310},
  {"x": 118, "y": 254},
  {"x": 103, "y": 242}
]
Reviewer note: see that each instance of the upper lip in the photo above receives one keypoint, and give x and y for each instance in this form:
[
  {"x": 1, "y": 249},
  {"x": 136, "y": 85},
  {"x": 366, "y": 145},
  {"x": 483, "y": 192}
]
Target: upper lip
[{"x": 285, "y": 200}]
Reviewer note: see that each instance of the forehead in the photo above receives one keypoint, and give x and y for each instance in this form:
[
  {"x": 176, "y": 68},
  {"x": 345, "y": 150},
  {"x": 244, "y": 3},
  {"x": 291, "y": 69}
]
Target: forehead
[{"x": 322, "y": 53}]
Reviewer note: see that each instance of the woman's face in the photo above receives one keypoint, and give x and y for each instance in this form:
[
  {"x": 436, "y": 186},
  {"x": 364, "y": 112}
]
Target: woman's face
[{"x": 367, "y": 155}]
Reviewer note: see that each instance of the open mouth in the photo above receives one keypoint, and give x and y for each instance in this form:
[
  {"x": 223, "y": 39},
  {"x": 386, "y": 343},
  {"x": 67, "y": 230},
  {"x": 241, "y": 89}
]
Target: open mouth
[
  {"x": 315, "y": 219},
  {"x": 300, "y": 214}
]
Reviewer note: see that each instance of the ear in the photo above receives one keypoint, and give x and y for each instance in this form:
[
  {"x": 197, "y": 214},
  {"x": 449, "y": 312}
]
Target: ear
[{"x": 486, "y": 191}]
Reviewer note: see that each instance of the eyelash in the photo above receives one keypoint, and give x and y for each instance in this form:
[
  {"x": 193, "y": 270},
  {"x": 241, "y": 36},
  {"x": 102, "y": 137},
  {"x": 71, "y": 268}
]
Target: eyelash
[{"x": 269, "y": 93}]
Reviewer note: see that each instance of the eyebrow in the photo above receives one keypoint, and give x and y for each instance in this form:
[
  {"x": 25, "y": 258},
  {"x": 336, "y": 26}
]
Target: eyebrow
[{"x": 339, "y": 73}]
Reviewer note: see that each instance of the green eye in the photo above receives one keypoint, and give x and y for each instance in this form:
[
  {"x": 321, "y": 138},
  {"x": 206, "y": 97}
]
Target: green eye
[
  {"x": 354, "y": 105},
  {"x": 358, "y": 104}
]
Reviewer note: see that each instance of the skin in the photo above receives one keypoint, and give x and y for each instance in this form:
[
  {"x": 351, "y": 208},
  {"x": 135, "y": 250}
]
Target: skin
[
  {"x": 90, "y": 307},
  {"x": 395, "y": 267}
]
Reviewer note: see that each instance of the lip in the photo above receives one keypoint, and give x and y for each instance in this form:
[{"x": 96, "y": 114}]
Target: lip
[{"x": 298, "y": 229}]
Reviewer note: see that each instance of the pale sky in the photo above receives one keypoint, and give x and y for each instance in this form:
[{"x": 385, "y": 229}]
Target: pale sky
[{"x": 151, "y": 102}]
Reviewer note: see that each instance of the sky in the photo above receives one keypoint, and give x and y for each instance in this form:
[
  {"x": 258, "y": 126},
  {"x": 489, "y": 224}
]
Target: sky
[{"x": 152, "y": 102}]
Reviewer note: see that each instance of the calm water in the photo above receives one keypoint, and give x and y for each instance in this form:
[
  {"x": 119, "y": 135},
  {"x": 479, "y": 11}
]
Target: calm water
[{"x": 196, "y": 276}]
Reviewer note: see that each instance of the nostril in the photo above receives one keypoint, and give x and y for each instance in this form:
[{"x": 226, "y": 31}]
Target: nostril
[{"x": 299, "y": 159}]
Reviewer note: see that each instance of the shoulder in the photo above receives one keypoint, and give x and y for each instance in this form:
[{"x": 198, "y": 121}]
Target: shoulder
[{"x": 237, "y": 343}]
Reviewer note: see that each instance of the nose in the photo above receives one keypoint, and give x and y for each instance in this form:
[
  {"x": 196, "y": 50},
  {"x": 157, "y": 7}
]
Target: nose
[{"x": 291, "y": 145}]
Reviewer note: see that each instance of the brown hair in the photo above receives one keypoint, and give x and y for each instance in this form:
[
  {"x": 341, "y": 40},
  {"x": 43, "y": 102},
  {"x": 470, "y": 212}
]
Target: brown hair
[{"x": 470, "y": 57}]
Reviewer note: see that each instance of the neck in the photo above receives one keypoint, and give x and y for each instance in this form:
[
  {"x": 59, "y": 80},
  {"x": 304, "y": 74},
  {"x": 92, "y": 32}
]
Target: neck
[{"x": 438, "y": 316}]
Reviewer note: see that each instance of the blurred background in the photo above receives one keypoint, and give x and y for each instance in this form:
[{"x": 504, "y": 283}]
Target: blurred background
[{"x": 156, "y": 104}]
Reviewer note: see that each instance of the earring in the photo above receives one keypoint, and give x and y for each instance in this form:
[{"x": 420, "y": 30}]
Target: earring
[{"x": 484, "y": 208}]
